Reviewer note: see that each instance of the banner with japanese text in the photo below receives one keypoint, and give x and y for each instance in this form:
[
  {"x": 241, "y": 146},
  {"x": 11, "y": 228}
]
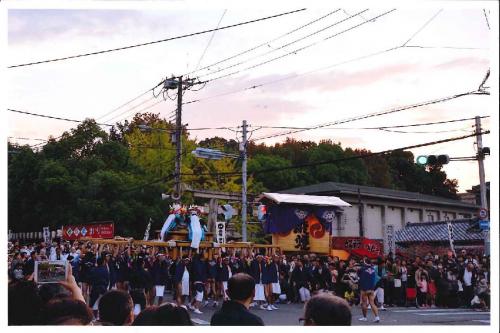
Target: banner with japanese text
[{"x": 93, "y": 230}]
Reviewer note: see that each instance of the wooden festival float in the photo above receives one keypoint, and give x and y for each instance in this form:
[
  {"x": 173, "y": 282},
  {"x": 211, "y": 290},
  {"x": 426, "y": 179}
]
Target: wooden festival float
[
  {"x": 183, "y": 234},
  {"x": 301, "y": 223}
]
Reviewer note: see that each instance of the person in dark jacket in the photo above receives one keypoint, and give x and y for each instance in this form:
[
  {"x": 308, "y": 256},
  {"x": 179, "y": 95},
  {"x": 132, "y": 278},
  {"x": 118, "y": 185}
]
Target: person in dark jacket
[
  {"x": 321, "y": 276},
  {"x": 122, "y": 271},
  {"x": 181, "y": 279},
  {"x": 140, "y": 280},
  {"x": 224, "y": 273},
  {"x": 271, "y": 279},
  {"x": 159, "y": 273},
  {"x": 211, "y": 287},
  {"x": 234, "y": 312},
  {"x": 199, "y": 278},
  {"x": 99, "y": 282},
  {"x": 257, "y": 268},
  {"x": 300, "y": 281}
]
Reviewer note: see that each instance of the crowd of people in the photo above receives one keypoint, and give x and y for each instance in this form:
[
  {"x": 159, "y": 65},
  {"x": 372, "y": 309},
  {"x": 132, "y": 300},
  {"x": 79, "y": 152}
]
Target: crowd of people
[{"x": 128, "y": 285}]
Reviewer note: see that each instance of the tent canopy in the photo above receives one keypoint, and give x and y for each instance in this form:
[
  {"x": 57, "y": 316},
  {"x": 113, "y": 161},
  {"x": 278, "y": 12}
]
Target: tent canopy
[{"x": 316, "y": 200}]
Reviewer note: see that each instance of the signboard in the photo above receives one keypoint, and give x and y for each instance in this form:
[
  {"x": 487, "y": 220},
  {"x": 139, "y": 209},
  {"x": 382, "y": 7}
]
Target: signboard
[
  {"x": 484, "y": 225},
  {"x": 94, "y": 230},
  {"x": 450, "y": 237},
  {"x": 46, "y": 235},
  {"x": 220, "y": 232},
  {"x": 359, "y": 246},
  {"x": 390, "y": 244},
  {"x": 483, "y": 214}
]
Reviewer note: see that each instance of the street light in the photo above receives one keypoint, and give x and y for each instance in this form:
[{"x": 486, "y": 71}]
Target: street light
[{"x": 213, "y": 154}]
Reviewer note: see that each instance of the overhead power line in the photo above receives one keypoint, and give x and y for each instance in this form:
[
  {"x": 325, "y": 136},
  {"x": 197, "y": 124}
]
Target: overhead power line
[
  {"x": 209, "y": 41},
  {"x": 264, "y": 43},
  {"x": 285, "y": 45},
  {"x": 52, "y": 117},
  {"x": 157, "y": 41},
  {"x": 371, "y": 115},
  {"x": 299, "y": 49},
  {"x": 375, "y": 127},
  {"x": 332, "y": 161}
]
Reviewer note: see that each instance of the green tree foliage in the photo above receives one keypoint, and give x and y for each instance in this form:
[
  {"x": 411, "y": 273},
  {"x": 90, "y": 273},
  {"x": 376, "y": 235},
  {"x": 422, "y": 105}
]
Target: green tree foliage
[{"x": 89, "y": 175}]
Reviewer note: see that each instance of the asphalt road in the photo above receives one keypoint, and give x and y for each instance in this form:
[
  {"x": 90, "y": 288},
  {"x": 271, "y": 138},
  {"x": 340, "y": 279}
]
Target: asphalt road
[{"x": 289, "y": 315}]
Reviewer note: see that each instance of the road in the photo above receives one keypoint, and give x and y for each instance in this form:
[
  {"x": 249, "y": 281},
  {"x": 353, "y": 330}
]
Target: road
[{"x": 289, "y": 315}]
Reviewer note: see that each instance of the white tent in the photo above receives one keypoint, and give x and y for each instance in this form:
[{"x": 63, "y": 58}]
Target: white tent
[{"x": 316, "y": 200}]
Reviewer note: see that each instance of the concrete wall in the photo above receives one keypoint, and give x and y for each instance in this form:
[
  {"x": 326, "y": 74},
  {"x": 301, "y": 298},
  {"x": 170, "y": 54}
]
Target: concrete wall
[{"x": 373, "y": 221}]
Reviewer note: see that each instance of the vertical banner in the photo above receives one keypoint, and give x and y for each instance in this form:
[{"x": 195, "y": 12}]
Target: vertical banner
[
  {"x": 389, "y": 244},
  {"x": 146, "y": 233},
  {"x": 220, "y": 232},
  {"x": 46, "y": 235},
  {"x": 450, "y": 238}
]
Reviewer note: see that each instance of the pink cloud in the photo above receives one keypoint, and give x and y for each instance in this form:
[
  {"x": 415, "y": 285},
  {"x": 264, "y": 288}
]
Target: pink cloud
[{"x": 472, "y": 62}]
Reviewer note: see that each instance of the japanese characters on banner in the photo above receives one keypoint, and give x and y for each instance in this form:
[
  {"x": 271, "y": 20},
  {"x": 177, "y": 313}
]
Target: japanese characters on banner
[
  {"x": 220, "y": 232},
  {"x": 94, "y": 230},
  {"x": 46, "y": 235},
  {"x": 358, "y": 245},
  {"x": 390, "y": 243}
]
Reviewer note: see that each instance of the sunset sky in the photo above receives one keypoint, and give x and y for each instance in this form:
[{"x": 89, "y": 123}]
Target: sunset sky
[{"x": 90, "y": 87}]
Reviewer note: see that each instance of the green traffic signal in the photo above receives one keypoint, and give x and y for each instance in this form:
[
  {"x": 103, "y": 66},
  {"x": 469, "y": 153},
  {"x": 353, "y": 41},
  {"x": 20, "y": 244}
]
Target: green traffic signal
[{"x": 422, "y": 160}]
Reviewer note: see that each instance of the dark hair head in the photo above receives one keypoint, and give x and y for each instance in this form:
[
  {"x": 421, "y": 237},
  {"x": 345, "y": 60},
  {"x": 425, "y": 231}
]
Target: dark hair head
[
  {"x": 51, "y": 291},
  {"x": 115, "y": 307},
  {"x": 20, "y": 311},
  {"x": 66, "y": 311},
  {"x": 327, "y": 310},
  {"x": 166, "y": 315},
  {"x": 241, "y": 287},
  {"x": 147, "y": 317}
]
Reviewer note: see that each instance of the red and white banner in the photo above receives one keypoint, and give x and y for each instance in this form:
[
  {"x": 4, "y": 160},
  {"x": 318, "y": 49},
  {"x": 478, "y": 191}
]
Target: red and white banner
[
  {"x": 94, "y": 230},
  {"x": 359, "y": 246}
]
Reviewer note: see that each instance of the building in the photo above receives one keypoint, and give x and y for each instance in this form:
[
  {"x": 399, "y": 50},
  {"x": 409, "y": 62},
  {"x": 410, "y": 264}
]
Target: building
[
  {"x": 474, "y": 195},
  {"x": 377, "y": 213},
  {"x": 416, "y": 239}
]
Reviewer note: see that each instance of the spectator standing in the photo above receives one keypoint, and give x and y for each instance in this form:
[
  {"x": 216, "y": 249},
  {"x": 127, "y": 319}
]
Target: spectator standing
[
  {"x": 367, "y": 285},
  {"x": 327, "y": 310},
  {"x": 234, "y": 312}
]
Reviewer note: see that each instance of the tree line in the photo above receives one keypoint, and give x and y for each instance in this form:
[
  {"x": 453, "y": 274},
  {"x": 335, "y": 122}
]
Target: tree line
[{"x": 90, "y": 175}]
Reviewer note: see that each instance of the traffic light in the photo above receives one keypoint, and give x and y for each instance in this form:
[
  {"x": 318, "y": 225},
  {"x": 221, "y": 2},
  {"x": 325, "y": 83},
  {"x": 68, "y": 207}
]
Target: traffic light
[{"x": 433, "y": 160}]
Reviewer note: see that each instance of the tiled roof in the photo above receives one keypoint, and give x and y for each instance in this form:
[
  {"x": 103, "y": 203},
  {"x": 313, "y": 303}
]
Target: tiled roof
[
  {"x": 343, "y": 188},
  {"x": 436, "y": 232}
]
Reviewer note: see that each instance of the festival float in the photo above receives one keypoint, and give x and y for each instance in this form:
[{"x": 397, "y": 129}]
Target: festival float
[{"x": 300, "y": 223}]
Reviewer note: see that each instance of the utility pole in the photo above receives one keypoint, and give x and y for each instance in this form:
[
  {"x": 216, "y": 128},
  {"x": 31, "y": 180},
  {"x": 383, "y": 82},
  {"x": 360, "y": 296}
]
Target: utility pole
[
  {"x": 360, "y": 214},
  {"x": 243, "y": 150},
  {"x": 482, "y": 183},
  {"x": 178, "y": 136}
]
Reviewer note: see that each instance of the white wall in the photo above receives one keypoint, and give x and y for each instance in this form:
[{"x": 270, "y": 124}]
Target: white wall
[
  {"x": 373, "y": 222},
  {"x": 394, "y": 216},
  {"x": 413, "y": 215}
]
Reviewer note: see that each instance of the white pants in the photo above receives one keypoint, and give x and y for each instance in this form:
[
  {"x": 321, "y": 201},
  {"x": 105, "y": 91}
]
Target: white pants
[
  {"x": 305, "y": 294},
  {"x": 160, "y": 290},
  {"x": 259, "y": 292},
  {"x": 379, "y": 293}
]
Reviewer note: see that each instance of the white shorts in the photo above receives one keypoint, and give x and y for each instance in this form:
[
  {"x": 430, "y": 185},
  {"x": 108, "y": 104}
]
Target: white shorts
[
  {"x": 199, "y": 296},
  {"x": 160, "y": 290},
  {"x": 276, "y": 288},
  {"x": 224, "y": 285},
  {"x": 259, "y": 293},
  {"x": 137, "y": 309},
  {"x": 96, "y": 304}
]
